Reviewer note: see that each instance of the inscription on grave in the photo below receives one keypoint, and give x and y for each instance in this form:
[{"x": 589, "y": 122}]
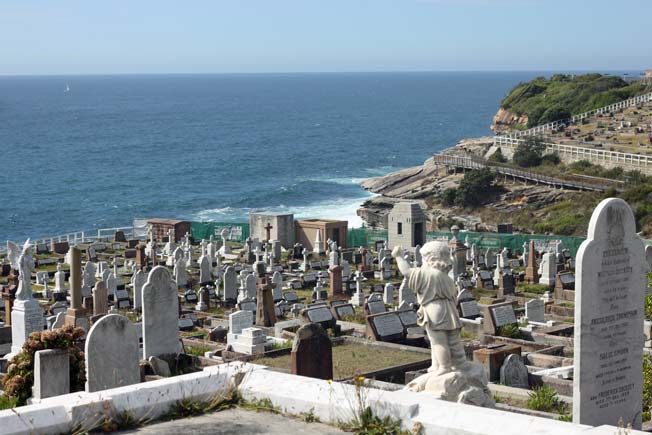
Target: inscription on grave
[{"x": 610, "y": 293}]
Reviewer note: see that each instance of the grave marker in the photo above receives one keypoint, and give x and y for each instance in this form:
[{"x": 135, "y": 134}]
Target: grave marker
[
  {"x": 160, "y": 314},
  {"x": 312, "y": 352},
  {"x": 112, "y": 354},
  {"x": 609, "y": 312}
]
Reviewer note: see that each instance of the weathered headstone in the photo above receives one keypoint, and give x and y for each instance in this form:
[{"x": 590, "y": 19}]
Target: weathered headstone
[
  {"x": 388, "y": 294},
  {"x": 230, "y": 285},
  {"x": 51, "y": 373},
  {"x": 609, "y": 312},
  {"x": 112, "y": 354},
  {"x": 513, "y": 372},
  {"x": 312, "y": 352},
  {"x": 160, "y": 314},
  {"x": 100, "y": 299}
]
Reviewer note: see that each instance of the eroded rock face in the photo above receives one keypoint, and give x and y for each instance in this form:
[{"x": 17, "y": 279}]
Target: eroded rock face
[{"x": 504, "y": 120}]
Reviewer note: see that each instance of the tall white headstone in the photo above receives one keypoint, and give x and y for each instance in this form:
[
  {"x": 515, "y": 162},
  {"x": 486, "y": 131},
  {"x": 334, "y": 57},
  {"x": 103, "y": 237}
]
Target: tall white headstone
[
  {"x": 138, "y": 280},
  {"x": 160, "y": 314},
  {"x": 548, "y": 269},
  {"x": 59, "y": 280},
  {"x": 609, "y": 312}
]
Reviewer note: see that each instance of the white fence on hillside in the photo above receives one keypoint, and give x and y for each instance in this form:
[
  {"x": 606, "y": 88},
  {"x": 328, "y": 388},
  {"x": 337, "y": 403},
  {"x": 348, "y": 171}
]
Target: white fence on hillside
[
  {"x": 541, "y": 129},
  {"x": 631, "y": 161}
]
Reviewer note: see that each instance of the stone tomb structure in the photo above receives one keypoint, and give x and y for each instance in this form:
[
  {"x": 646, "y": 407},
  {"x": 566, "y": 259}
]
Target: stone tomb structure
[
  {"x": 335, "y": 230},
  {"x": 609, "y": 313},
  {"x": 406, "y": 225},
  {"x": 281, "y": 227}
]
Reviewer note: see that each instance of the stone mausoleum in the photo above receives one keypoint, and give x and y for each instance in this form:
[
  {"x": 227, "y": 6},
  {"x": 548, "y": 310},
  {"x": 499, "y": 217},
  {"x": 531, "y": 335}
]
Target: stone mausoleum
[
  {"x": 406, "y": 225},
  {"x": 306, "y": 231},
  {"x": 281, "y": 227}
]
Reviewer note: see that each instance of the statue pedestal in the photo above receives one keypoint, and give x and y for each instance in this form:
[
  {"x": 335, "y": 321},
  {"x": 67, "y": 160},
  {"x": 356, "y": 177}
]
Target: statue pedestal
[
  {"x": 26, "y": 317},
  {"x": 357, "y": 300},
  {"x": 466, "y": 385},
  {"x": 77, "y": 317}
]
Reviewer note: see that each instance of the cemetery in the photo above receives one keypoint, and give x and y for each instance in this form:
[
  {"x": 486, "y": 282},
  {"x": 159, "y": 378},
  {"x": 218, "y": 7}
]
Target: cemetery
[{"x": 540, "y": 337}]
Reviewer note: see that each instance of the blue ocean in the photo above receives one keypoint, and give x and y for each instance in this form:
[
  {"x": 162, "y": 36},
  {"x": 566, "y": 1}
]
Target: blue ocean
[{"x": 213, "y": 147}]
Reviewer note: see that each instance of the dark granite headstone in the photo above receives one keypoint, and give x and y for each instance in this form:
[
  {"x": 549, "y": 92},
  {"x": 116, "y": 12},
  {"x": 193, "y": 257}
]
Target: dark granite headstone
[{"x": 312, "y": 353}]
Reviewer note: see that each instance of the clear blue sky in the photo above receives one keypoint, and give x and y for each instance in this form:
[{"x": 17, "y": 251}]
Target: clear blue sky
[{"x": 202, "y": 36}]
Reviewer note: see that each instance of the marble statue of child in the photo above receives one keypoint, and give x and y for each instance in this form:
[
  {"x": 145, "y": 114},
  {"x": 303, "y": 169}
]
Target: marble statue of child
[{"x": 437, "y": 313}]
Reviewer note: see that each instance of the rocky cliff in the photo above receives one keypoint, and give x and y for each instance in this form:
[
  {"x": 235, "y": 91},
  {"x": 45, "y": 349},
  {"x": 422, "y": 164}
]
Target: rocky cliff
[
  {"x": 424, "y": 183},
  {"x": 504, "y": 120}
]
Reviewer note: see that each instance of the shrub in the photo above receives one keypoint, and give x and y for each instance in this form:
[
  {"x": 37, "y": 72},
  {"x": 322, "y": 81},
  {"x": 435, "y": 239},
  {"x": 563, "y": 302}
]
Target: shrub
[
  {"x": 498, "y": 157},
  {"x": 647, "y": 386},
  {"x": 20, "y": 372},
  {"x": 529, "y": 153},
  {"x": 550, "y": 159},
  {"x": 475, "y": 188},
  {"x": 448, "y": 196}
]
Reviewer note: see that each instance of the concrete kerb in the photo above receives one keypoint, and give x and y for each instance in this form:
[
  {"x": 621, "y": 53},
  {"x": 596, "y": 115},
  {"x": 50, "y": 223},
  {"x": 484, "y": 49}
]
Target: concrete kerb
[{"x": 330, "y": 401}]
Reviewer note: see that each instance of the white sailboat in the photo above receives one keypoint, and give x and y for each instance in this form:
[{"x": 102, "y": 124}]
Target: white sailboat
[{"x": 67, "y": 88}]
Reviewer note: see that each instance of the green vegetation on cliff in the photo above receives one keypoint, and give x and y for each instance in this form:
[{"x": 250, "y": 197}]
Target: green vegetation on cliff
[{"x": 561, "y": 96}]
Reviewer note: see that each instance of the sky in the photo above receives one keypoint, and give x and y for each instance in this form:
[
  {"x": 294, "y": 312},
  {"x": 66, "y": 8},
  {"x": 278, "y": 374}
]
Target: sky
[{"x": 255, "y": 36}]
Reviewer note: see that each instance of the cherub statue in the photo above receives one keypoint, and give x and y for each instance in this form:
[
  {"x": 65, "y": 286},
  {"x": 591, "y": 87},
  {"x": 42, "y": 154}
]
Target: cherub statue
[
  {"x": 23, "y": 261},
  {"x": 437, "y": 313}
]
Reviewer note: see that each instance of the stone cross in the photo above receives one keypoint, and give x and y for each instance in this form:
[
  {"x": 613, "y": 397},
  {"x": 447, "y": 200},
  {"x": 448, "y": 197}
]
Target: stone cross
[{"x": 268, "y": 231}]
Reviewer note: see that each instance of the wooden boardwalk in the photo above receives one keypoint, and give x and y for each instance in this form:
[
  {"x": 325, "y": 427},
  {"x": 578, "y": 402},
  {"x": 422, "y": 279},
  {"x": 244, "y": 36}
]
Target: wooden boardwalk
[{"x": 470, "y": 162}]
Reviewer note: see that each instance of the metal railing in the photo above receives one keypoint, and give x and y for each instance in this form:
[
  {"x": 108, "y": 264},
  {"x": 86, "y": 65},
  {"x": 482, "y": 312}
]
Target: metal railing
[
  {"x": 74, "y": 238},
  {"x": 473, "y": 162}
]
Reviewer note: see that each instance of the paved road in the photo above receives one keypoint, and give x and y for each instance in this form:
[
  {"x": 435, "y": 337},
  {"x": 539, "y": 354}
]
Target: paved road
[{"x": 236, "y": 421}]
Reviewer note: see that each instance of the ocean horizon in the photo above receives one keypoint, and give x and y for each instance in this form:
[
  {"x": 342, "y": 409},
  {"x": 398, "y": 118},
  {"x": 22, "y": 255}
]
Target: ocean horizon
[{"x": 96, "y": 151}]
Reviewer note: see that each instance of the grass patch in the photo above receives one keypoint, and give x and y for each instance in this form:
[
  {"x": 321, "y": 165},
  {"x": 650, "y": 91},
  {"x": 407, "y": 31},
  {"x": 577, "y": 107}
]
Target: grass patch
[
  {"x": 357, "y": 317},
  {"x": 533, "y": 288},
  {"x": 350, "y": 360},
  {"x": 545, "y": 399},
  {"x": 7, "y": 402},
  {"x": 198, "y": 350},
  {"x": 509, "y": 331}
]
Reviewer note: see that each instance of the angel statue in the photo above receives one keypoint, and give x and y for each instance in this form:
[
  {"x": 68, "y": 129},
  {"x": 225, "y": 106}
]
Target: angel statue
[{"x": 22, "y": 261}]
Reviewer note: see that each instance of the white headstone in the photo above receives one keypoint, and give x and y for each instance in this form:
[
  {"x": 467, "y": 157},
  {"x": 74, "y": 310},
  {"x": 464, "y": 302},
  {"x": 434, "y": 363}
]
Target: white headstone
[
  {"x": 609, "y": 312},
  {"x": 160, "y": 314},
  {"x": 240, "y": 320},
  {"x": 548, "y": 269},
  {"x": 388, "y": 294},
  {"x": 112, "y": 354},
  {"x": 138, "y": 280}
]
